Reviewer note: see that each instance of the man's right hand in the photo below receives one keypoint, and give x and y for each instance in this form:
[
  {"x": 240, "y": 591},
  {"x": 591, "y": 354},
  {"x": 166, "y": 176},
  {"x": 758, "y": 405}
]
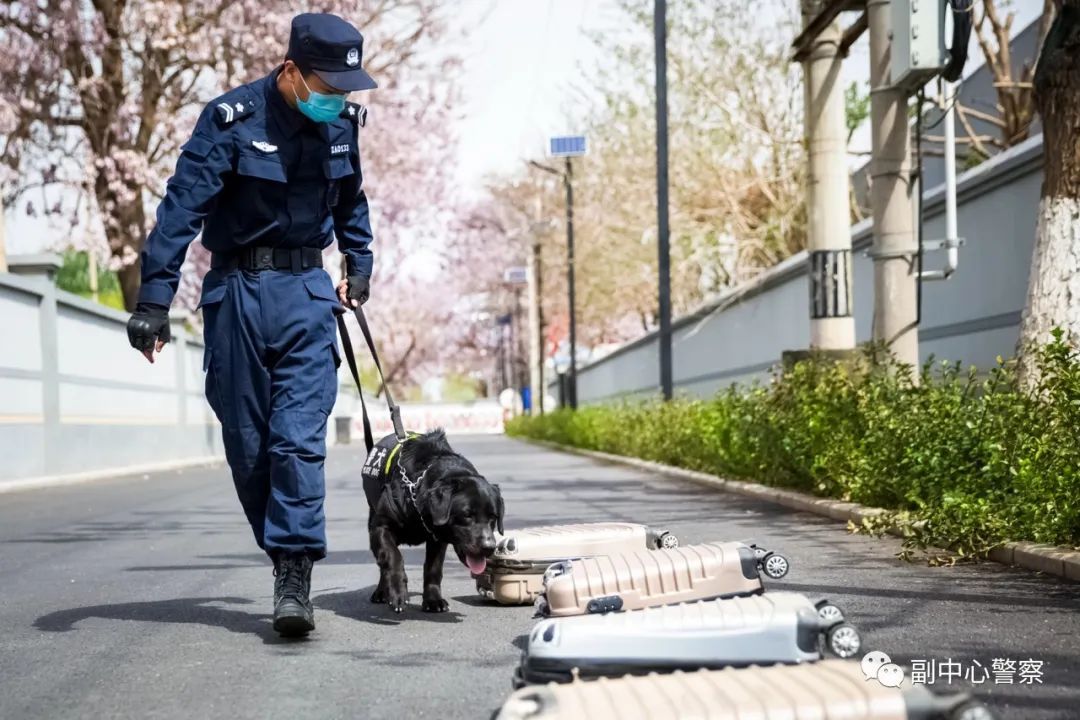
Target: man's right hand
[
  {"x": 148, "y": 329},
  {"x": 354, "y": 290}
]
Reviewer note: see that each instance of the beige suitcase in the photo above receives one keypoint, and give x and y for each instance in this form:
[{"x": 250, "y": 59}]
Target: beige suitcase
[
  {"x": 827, "y": 690},
  {"x": 630, "y": 581},
  {"x": 515, "y": 573}
]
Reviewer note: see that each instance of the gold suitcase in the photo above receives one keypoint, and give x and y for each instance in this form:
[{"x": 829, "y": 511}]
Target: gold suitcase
[
  {"x": 827, "y": 690},
  {"x": 630, "y": 581}
]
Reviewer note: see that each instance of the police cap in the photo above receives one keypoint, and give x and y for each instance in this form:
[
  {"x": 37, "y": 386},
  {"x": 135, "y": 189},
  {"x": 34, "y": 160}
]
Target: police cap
[{"x": 331, "y": 48}]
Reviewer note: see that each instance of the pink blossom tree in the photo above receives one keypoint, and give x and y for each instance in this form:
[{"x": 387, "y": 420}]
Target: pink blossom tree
[{"x": 97, "y": 95}]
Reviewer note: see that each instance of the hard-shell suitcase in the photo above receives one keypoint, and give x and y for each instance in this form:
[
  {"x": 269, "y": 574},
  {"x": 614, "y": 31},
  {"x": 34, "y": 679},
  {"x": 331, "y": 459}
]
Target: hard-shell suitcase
[
  {"x": 630, "y": 581},
  {"x": 827, "y": 690},
  {"x": 774, "y": 628},
  {"x": 515, "y": 573}
]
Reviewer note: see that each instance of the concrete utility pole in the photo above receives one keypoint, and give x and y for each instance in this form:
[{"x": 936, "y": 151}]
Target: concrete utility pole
[
  {"x": 832, "y": 326},
  {"x": 894, "y": 250},
  {"x": 536, "y": 332}
]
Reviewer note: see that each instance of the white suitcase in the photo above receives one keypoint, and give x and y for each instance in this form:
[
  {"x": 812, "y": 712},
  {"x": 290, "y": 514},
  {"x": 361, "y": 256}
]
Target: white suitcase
[{"x": 774, "y": 628}]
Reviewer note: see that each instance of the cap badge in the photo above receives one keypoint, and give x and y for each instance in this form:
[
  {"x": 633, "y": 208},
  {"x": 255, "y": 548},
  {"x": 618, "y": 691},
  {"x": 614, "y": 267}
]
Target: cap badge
[{"x": 353, "y": 58}]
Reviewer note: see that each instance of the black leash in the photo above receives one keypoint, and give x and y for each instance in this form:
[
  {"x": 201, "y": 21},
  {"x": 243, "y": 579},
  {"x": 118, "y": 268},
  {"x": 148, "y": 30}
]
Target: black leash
[{"x": 350, "y": 357}]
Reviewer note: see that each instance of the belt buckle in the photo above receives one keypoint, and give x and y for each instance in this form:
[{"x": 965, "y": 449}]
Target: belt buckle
[{"x": 264, "y": 258}]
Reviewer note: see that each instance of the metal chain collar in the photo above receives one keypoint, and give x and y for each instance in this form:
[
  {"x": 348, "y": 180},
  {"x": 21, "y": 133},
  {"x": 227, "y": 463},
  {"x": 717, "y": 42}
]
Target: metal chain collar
[{"x": 410, "y": 487}]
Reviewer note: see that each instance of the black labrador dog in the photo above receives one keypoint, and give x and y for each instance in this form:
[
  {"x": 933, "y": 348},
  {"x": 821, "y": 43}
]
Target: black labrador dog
[{"x": 421, "y": 491}]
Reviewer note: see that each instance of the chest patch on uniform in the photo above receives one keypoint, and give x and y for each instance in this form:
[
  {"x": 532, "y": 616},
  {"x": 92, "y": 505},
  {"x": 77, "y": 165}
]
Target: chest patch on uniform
[
  {"x": 339, "y": 149},
  {"x": 263, "y": 146}
]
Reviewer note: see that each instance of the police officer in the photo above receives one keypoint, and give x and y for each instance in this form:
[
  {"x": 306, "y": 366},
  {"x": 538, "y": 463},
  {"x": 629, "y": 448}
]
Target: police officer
[{"x": 269, "y": 176}]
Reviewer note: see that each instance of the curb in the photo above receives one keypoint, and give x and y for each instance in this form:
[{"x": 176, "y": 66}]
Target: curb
[
  {"x": 1055, "y": 560},
  {"x": 47, "y": 481}
]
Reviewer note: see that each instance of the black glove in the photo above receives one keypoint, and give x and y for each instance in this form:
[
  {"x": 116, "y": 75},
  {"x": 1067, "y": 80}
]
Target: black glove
[
  {"x": 359, "y": 288},
  {"x": 148, "y": 324}
]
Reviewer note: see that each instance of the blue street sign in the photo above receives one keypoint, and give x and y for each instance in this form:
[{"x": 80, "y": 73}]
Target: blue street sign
[
  {"x": 516, "y": 275},
  {"x": 569, "y": 146}
]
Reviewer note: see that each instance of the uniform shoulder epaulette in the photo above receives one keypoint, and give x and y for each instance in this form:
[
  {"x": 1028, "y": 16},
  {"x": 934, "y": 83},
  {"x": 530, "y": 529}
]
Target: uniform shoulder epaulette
[
  {"x": 355, "y": 112},
  {"x": 235, "y": 105}
]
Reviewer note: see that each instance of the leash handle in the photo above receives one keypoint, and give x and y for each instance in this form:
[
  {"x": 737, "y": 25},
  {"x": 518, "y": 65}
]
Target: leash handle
[{"x": 350, "y": 357}]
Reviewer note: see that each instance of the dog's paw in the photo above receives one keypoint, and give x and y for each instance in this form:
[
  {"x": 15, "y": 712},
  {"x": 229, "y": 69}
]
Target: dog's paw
[
  {"x": 378, "y": 597},
  {"x": 435, "y": 605},
  {"x": 397, "y": 601}
]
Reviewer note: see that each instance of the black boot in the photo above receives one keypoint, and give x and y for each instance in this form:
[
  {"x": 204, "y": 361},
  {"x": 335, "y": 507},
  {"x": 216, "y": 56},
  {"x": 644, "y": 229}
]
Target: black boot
[{"x": 293, "y": 614}]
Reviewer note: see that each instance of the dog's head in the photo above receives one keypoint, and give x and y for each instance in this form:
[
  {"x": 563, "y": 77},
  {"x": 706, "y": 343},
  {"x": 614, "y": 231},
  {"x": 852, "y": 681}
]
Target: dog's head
[{"x": 462, "y": 507}]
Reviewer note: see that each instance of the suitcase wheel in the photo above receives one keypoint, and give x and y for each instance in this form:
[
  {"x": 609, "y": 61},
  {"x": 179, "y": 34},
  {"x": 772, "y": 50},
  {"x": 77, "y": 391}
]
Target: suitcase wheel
[
  {"x": 843, "y": 640},
  {"x": 829, "y": 613},
  {"x": 775, "y": 565},
  {"x": 971, "y": 710},
  {"x": 517, "y": 682},
  {"x": 540, "y": 606},
  {"x": 668, "y": 541},
  {"x": 611, "y": 603}
]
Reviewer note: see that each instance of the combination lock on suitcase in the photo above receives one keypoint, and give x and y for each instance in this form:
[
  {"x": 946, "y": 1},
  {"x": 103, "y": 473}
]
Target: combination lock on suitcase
[
  {"x": 774, "y": 628},
  {"x": 515, "y": 573},
  {"x": 630, "y": 581},
  {"x": 826, "y": 690}
]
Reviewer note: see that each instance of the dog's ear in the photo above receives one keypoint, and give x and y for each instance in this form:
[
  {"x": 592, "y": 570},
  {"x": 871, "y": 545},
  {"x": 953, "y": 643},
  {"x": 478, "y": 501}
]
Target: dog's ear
[
  {"x": 437, "y": 502},
  {"x": 500, "y": 508},
  {"x": 421, "y": 451}
]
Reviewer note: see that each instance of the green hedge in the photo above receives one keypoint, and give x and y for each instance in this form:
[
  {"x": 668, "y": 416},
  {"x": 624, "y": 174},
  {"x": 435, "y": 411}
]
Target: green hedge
[{"x": 965, "y": 461}]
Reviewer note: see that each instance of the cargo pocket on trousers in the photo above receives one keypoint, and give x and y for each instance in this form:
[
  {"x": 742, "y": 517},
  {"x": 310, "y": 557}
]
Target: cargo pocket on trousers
[
  {"x": 330, "y": 390},
  {"x": 213, "y": 396}
]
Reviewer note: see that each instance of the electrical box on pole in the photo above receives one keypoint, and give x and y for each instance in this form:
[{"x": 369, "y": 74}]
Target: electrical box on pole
[{"x": 918, "y": 42}]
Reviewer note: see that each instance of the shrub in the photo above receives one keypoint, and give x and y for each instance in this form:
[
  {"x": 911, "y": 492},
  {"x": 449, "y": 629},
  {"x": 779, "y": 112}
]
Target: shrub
[{"x": 965, "y": 461}]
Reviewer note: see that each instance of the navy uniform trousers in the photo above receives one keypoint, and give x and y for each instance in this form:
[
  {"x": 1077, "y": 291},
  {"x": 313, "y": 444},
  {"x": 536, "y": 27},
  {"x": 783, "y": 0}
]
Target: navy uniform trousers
[{"x": 271, "y": 378}]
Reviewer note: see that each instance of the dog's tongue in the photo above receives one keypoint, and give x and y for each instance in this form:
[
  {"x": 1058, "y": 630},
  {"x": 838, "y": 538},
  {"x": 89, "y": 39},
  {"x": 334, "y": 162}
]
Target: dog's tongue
[{"x": 476, "y": 563}]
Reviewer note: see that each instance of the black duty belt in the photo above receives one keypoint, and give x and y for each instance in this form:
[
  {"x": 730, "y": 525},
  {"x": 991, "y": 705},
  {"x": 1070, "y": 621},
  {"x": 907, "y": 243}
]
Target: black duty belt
[{"x": 269, "y": 258}]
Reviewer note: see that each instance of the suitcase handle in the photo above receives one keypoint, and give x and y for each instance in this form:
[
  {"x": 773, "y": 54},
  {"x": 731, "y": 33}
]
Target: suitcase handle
[{"x": 609, "y": 603}]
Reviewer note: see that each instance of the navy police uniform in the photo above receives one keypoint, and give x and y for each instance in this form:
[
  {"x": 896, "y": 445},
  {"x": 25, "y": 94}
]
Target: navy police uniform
[{"x": 269, "y": 189}]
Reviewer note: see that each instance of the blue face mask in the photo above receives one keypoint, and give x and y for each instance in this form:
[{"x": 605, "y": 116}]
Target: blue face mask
[{"x": 320, "y": 107}]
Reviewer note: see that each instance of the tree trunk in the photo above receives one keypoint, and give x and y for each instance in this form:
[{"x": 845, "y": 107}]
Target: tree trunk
[
  {"x": 130, "y": 277},
  {"x": 124, "y": 222},
  {"x": 1054, "y": 286}
]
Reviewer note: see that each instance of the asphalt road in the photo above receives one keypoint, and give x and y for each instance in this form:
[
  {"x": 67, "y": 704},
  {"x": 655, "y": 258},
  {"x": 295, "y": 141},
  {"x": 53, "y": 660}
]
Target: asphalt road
[{"x": 147, "y": 598}]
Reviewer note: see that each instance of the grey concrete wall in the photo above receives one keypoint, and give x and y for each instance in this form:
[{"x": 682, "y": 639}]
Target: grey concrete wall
[
  {"x": 972, "y": 317},
  {"x": 75, "y": 398}
]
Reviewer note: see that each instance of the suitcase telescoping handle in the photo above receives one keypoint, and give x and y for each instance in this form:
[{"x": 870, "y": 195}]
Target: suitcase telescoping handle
[{"x": 350, "y": 357}]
